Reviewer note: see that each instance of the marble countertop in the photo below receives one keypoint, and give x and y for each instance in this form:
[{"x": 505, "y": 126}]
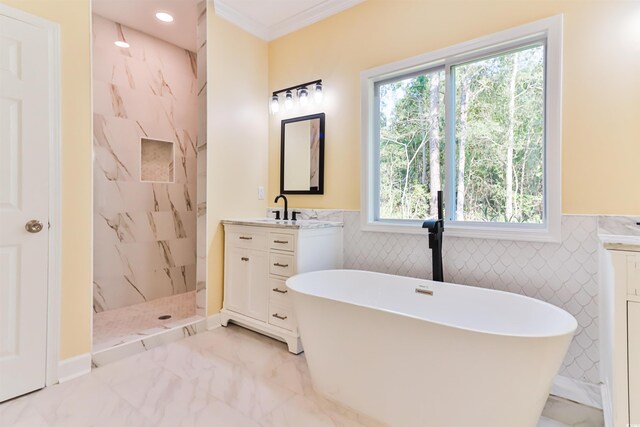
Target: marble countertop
[
  {"x": 619, "y": 229},
  {"x": 273, "y": 223}
]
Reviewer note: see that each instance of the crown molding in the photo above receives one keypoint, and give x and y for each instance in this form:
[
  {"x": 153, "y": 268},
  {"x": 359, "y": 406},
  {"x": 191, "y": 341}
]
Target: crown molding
[
  {"x": 230, "y": 14},
  {"x": 286, "y": 26}
]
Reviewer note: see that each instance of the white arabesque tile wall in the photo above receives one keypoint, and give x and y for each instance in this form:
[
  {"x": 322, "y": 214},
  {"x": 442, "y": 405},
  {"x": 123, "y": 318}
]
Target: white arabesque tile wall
[{"x": 563, "y": 274}]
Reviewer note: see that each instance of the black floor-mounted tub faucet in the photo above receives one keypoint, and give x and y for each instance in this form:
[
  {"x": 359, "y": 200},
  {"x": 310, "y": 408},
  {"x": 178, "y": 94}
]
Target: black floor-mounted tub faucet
[{"x": 436, "y": 228}]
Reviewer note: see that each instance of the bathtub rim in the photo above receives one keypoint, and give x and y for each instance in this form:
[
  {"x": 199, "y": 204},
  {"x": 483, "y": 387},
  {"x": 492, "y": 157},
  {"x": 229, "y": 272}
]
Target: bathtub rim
[{"x": 563, "y": 312}]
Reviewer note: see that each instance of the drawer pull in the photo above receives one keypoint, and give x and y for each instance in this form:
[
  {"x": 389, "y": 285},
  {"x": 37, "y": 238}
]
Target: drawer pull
[
  {"x": 277, "y": 316},
  {"x": 282, "y": 242},
  {"x": 244, "y": 258},
  {"x": 280, "y": 291},
  {"x": 245, "y": 238},
  {"x": 277, "y": 264}
]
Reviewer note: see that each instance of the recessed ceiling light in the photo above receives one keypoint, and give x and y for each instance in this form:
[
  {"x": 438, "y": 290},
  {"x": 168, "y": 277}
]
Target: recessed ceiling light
[
  {"x": 164, "y": 17},
  {"x": 120, "y": 43}
]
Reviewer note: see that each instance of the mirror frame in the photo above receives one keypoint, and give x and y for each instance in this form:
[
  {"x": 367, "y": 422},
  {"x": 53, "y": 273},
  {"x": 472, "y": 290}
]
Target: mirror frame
[{"x": 320, "y": 189}]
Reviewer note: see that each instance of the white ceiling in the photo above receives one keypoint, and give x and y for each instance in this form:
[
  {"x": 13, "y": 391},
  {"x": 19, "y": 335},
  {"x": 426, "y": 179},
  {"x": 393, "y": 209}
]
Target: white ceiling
[
  {"x": 270, "y": 19},
  {"x": 140, "y": 15},
  {"x": 267, "y": 19}
]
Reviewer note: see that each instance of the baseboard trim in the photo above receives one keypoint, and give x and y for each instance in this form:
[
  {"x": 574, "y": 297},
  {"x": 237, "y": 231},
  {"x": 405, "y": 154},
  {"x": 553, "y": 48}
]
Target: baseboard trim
[
  {"x": 577, "y": 391},
  {"x": 213, "y": 321},
  {"x": 74, "y": 367}
]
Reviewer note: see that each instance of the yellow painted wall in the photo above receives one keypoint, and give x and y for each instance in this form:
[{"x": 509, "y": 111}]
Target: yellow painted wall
[
  {"x": 237, "y": 150},
  {"x": 75, "y": 34},
  {"x": 601, "y": 109},
  {"x": 237, "y": 141},
  {"x": 601, "y": 93}
]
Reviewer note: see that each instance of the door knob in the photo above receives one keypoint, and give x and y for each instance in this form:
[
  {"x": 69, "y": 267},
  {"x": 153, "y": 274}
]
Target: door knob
[{"x": 33, "y": 226}]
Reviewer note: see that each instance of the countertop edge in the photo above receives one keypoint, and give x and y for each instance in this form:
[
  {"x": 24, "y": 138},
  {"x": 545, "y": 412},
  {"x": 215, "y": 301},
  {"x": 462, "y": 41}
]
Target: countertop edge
[{"x": 291, "y": 226}]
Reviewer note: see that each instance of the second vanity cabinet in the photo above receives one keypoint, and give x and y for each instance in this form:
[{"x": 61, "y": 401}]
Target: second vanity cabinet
[
  {"x": 259, "y": 257},
  {"x": 633, "y": 311},
  {"x": 620, "y": 333}
]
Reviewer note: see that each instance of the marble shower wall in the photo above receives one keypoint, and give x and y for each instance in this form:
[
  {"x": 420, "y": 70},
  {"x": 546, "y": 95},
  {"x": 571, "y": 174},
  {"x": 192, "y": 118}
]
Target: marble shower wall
[
  {"x": 144, "y": 232},
  {"x": 201, "y": 197}
]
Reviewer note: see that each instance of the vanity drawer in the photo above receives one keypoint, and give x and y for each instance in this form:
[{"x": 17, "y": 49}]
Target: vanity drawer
[
  {"x": 249, "y": 238},
  {"x": 281, "y": 265},
  {"x": 282, "y": 316},
  {"x": 278, "y": 292},
  {"x": 282, "y": 241},
  {"x": 633, "y": 274}
]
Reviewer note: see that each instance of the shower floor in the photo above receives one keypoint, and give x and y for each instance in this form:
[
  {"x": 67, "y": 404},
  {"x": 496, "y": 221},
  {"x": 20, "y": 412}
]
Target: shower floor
[{"x": 114, "y": 327}]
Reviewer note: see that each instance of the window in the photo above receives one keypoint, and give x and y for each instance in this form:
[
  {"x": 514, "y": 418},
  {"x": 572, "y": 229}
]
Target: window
[{"x": 479, "y": 121}]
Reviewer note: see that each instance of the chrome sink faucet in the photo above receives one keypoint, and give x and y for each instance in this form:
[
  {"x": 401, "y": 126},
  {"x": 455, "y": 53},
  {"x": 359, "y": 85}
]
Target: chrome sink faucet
[{"x": 286, "y": 206}]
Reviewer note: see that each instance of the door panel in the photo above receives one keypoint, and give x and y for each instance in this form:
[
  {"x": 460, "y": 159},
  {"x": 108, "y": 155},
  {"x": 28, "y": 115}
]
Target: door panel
[
  {"x": 24, "y": 196},
  {"x": 10, "y": 117}
]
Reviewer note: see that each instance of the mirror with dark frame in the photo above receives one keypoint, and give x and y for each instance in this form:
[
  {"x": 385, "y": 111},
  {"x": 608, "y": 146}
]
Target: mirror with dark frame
[{"x": 302, "y": 155}]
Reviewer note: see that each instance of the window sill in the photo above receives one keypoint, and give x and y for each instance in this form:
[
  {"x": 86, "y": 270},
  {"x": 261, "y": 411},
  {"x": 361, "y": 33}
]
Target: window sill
[{"x": 548, "y": 234}]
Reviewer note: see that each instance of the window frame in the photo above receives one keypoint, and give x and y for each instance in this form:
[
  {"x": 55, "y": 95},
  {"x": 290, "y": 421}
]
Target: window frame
[{"x": 549, "y": 32}]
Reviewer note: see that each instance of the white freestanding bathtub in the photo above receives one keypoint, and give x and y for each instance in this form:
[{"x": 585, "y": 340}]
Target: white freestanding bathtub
[{"x": 461, "y": 357}]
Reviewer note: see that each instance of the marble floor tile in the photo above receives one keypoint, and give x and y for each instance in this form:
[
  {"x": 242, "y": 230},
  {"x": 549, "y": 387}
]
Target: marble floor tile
[
  {"x": 21, "y": 413},
  {"x": 314, "y": 411},
  {"x": 251, "y": 394},
  {"x": 546, "y": 422},
  {"x": 113, "y": 325},
  {"x": 226, "y": 377},
  {"x": 572, "y": 414}
]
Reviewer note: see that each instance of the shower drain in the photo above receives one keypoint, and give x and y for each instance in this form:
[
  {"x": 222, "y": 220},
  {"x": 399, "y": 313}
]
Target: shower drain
[{"x": 164, "y": 317}]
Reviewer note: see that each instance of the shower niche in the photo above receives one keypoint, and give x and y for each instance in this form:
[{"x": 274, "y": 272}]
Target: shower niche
[{"x": 156, "y": 160}]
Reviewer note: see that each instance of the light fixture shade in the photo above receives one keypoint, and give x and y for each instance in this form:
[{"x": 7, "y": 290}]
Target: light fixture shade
[
  {"x": 275, "y": 104},
  {"x": 318, "y": 95},
  {"x": 303, "y": 96},
  {"x": 288, "y": 100},
  {"x": 164, "y": 17},
  {"x": 122, "y": 44}
]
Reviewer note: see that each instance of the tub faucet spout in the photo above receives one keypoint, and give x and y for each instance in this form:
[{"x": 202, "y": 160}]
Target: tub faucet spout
[{"x": 436, "y": 228}]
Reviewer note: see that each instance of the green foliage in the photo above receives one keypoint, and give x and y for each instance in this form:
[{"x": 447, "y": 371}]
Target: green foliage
[
  {"x": 404, "y": 147},
  {"x": 487, "y": 133}
]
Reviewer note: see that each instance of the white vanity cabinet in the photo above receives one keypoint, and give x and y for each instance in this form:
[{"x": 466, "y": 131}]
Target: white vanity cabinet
[
  {"x": 620, "y": 333},
  {"x": 259, "y": 256}
]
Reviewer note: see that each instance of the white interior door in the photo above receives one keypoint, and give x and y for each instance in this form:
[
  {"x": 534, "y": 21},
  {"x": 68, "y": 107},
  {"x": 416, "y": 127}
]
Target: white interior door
[{"x": 24, "y": 196}]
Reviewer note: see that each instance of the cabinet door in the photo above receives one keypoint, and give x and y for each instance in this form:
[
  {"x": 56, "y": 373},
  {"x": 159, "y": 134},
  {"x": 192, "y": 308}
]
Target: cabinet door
[
  {"x": 236, "y": 280},
  {"x": 246, "y": 290},
  {"x": 258, "y": 286},
  {"x": 634, "y": 362}
]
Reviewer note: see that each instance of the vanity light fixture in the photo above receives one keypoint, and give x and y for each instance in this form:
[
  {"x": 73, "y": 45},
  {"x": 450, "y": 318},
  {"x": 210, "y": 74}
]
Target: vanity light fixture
[
  {"x": 122, "y": 44},
  {"x": 288, "y": 100},
  {"x": 303, "y": 96},
  {"x": 164, "y": 17},
  {"x": 275, "y": 104},
  {"x": 318, "y": 95},
  {"x": 301, "y": 92}
]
